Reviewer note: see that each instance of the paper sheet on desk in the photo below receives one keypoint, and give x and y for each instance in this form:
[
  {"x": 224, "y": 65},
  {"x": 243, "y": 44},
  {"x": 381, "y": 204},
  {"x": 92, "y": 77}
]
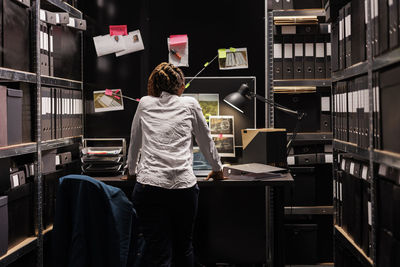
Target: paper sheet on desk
[
  {"x": 255, "y": 176},
  {"x": 106, "y": 44}
]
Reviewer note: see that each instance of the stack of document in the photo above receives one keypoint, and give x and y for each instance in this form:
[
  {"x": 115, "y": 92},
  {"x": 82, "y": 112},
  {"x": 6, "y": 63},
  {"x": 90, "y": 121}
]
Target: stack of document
[{"x": 102, "y": 161}]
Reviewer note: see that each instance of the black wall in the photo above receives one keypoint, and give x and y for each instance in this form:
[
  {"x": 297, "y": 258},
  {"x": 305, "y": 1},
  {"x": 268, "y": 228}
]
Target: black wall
[{"x": 209, "y": 24}]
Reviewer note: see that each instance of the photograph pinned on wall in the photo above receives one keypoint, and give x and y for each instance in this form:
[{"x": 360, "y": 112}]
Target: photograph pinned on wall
[
  {"x": 233, "y": 58},
  {"x": 222, "y": 125},
  {"x": 108, "y": 100},
  {"x": 222, "y": 131},
  {"x": 225, "y": 145},
  {"x": 178, "y": 50},
  {"x": 209, "y": 104},
  {"x": 133, "y": 43},
  {"x": 107, "y": 44}
]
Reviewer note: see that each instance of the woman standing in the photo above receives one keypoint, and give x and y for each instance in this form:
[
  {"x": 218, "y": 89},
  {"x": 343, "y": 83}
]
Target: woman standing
[{"x": 166, "y": 193}]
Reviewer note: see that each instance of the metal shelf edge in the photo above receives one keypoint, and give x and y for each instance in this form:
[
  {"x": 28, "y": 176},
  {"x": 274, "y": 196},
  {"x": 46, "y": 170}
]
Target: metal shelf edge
[
  {"x": 311, "y": 82},
  {"x": 55, "y": 81},
  {"x": 386, "y": 59},
  {"x": 319, "y": 12},
  {"x": 351, "y": 148},
  {"x": 16, "y": 150},
  {"x": 355, "y": 249},
  {"x": 328, "y": 136},
  {"x": 311, "y": 210},
  {"x": 355, "y": 70},
  {"x": 17, "y": 75},
  {"x": 66, "y": 7},
  {"x": 18, "y": 251}
]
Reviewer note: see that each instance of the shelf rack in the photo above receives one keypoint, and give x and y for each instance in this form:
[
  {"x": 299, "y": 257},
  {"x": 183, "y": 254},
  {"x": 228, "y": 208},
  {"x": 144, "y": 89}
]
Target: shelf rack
[{"x": 11, "y": 75}]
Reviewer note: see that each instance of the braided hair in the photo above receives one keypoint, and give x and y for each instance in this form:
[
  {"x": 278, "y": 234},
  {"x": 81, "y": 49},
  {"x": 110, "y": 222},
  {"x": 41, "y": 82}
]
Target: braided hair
[{"x": 165, "y": 77}]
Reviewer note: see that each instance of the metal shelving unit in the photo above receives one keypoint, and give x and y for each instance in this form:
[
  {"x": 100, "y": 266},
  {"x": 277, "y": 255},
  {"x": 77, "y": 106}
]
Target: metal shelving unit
[
  {"x": 322, "y": 138},
  {"x": 370, "y": 154},
  {"x": 10, "y": 75}
]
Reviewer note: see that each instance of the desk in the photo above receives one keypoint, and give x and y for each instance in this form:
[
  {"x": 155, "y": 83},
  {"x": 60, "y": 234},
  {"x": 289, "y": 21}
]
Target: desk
[{"x": 238, "y": 222}]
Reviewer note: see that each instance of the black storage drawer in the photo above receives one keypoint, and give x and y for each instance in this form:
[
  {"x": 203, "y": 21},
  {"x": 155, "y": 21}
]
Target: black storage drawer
[
  {"x": 3, "y": 225},
  {"x": 301, "y": 243},
  {"x": 302, "y": 192},
  {"x": 20, "y": 213}
]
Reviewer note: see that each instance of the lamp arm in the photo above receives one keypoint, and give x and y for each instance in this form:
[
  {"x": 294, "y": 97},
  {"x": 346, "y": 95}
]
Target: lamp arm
[{"x": 299, "y": 115}]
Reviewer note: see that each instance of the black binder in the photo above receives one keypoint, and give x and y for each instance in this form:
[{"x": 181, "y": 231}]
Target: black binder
[
  {"x": 335, "y": 45},
  {"x": 393, "y": 24},
  {"x": 358, "y": 30},
  {"x": 328, "y": 57},
  {"x": 320, "y": 57},
  {"x": 287, "y": 57},
  {"x": 298, "y": 57},
  {"x": 287, "y": 4},
  {"x": 375, "y": 23},
  {"x": 278, "y": 60},
  {"x": 365, "y": 96},
  {"x": 44, "y": 49},
  {"x": 383, "y": 26},
  {"x": 347, "y": 34},
  {"x": 351, "y": 102},
  {"x": 16, "y": 36},
  {"x": 341, "y": 40},
  {"x": 46, "y": 114},
  {"x": 309, "y": 59}
]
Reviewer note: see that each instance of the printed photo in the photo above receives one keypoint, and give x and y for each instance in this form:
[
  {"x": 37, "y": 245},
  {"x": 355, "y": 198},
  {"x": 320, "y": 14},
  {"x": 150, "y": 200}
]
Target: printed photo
[
  {"x": 225, "y": 145},
  {"x": 111, "y": 101},
  {"x": 221, "y": 125}
]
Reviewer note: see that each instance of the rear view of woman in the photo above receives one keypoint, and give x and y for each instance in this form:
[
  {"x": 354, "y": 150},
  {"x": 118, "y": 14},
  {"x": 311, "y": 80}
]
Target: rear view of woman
[{"x": 166, "y": 193}]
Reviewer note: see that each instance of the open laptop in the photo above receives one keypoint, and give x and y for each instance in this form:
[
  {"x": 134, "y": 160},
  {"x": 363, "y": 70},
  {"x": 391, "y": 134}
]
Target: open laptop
[{"x": 201, "y": 168}]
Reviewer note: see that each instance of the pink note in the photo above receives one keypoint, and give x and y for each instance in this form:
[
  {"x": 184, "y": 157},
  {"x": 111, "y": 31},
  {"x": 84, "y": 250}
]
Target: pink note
[
  {"x": 108, "y": 92},
  {"x": 137, "y": 99},
  {"x": 220, "y": 136},
  {"x": 178, "y": 39},
  {"x": 117, "y": 97},
  {"x": 118, "y": 30}
]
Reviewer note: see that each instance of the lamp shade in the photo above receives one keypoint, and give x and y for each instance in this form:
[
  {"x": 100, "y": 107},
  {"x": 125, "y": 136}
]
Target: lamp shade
[{"x": 238, "y": 99}]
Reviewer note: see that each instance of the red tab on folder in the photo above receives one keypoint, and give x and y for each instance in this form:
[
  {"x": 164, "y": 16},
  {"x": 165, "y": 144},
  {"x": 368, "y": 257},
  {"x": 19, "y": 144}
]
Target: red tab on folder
[
  {"x": 118, "y": 30},
  {"x": 178, "y": 39}
]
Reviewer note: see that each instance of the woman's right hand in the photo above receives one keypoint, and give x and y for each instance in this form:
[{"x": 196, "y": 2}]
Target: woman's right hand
[{"x": 216, "y": 175}]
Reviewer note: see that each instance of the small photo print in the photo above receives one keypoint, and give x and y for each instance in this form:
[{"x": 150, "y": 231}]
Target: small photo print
[
  {"x": 221, "y": 125},
  {"x": 225, "y": 145},
  {"x": 209, "y": 104},
  {"x": 108, "y": 101}
]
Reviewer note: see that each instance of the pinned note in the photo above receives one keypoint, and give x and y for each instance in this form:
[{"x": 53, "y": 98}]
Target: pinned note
[
  {"x": 222, "y": 53},
  {"x": 133, "y": 42},
  {"x": 118, "y": 30},
  {"x": 180, "y": 39},
  {"x": 232, "y": 49},
  {"x": 108, "y": 92}
]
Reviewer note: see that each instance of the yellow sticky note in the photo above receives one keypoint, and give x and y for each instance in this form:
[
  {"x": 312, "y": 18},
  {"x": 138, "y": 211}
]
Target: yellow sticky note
[
  {"x": 222, "y": 53},
  {"x": 232, "y": 49}
]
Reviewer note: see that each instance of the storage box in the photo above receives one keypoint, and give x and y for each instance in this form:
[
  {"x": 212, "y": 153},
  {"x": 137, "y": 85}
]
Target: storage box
[
  {"x": 20, "y": 213},
  {"x": 301, "y": 243},
  {"x": 3, "y": 116},
  {"x": 49, "y": 161},
  {"x": 16, "y": 28},
  {"x": 14, "y": 116},
  {"x": 266, "y": 146},
  {"x": 3, "y": 225}
]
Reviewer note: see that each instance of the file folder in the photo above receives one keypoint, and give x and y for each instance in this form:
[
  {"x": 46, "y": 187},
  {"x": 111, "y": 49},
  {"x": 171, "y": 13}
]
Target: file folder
[
  {"x": 320, "y": 57},
  {"x": 383, "y": 26},
  {"x": 278, "y": 60},
  {"x": 298, "y": 66},
  {"x": 347, "y": 34},
  {"x": 342, "y": 51},
  {"x": 3, "y": 116},
  {"x": 328, "y": 57},
  {"x": 358, "y": 30},
  {"x": 16, "y": 36},
  {"x": 309, "y": 60},
  {"x": 393, "y": 23},
  {"x": 335, "y": 46},
  {"x": 14, "y": 116},
  {"x": 46, "y": 114},
  {"x": 287, "y": 57},
  {"x": 44, "y": 49}
]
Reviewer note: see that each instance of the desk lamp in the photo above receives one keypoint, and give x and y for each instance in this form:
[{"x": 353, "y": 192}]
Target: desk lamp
[{"x": 238, "y": 99}]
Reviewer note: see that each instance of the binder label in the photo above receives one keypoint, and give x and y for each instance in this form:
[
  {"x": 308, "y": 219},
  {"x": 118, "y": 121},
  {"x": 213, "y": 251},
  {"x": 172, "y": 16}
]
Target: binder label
[
  {"x": 341, "y": 28},
  {"x": 45, "y": 41},
  {"x": 15, "y": 180},
  {"x": 288, "y": 30},
  {"x": 277, "y": 50},
  {"x": 369, "y": 213},
  {"x": 348, "y": 26},
  {"x": 328, "y": 158},
  {"x": 290, "y": 160},
  {"x": 288, "y": 51},
  {"x": 328, "y": 49},
  {"x": 309, "y": 50},
  {"x": 325, "y": 103},
  {"x": 352, "y": 168},
  {"x": 42, "y": 15},
  {"x": 319, "y": 50},
  {"x": 364, "y": 172},
  {"x": 390, "y": 2},
  {"x": 298, "y": 50}
]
